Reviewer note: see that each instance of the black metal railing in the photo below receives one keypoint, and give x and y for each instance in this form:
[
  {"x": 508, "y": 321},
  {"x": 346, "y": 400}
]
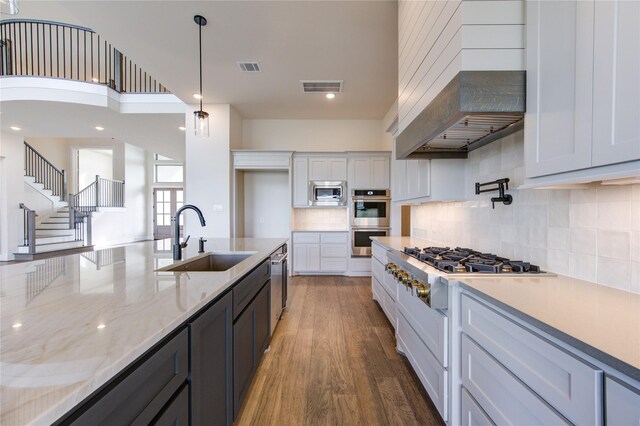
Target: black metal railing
[
  {"x": 39, "y": 168},
  {"x": 43, "y": 275},
  {"x": 29, "y": 228},
  {"x": 100, "y": 193},
  {"x": 57, "y": 50}
]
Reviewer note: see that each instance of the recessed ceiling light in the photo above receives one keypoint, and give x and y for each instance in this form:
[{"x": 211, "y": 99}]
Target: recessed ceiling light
[
  {"x": 15, "y": 128},
  {"x": 330, "y": 95},
  {"x": 197, "y": 95},
  {"x": 99, "y": 128},
  {"x": 182, "y": 128},
  {"x": 17, "y": 325},
  {"x": 101, "y": 326}
]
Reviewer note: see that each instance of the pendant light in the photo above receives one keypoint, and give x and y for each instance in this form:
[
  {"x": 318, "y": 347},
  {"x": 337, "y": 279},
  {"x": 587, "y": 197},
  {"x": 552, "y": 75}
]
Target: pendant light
[{"x": 200, "y": 117}]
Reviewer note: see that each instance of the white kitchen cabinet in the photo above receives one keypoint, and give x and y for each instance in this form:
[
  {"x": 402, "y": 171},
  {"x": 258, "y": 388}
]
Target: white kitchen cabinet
[
  {"x": 429, "y": 180},
  {"x": 472, "y": 414},
  {"x": 369, "y": 172},
  {"x": 327, "y": 168},
  {"x": 622, "y": 404},
  {"x": 616, "y": 82},
  {"x": 300, "y": 182},
  {"x": 306, "y": 257},
  {"x": 583, "y": 91},
  {"x": 320, "y": 252},
  {"x": 501, "y": 395},
  {"x": 571, "y": 386}
]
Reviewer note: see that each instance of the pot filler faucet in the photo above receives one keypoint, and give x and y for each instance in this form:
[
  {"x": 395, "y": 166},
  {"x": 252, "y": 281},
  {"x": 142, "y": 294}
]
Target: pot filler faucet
[{"x": 177, "y": 245}]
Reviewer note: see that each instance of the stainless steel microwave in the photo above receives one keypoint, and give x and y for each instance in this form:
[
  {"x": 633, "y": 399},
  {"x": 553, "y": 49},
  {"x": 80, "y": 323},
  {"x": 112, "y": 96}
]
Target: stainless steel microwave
[{"x": 327, "y": 193}]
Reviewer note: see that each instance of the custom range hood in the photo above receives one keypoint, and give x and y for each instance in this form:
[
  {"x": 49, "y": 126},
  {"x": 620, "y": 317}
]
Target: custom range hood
[{"x": 474, "y": 109}]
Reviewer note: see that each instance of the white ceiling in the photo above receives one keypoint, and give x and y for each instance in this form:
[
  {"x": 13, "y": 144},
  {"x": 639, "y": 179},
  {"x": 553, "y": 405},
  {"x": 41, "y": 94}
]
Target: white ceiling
[{"x": 354, "y": 41}]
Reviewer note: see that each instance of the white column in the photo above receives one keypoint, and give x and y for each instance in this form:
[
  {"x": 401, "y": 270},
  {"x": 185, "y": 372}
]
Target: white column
[
  {"x": 11, "y": 194},
  {"x": 207, "y": 174}
]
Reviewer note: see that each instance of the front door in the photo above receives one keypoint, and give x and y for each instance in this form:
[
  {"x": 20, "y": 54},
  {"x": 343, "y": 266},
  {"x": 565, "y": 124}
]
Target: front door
[{"x": 165, "y": 203}]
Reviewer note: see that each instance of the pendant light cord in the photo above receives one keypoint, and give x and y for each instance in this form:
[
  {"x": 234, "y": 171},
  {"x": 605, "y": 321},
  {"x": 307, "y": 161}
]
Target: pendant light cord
[{"x": 200, "y": 47}]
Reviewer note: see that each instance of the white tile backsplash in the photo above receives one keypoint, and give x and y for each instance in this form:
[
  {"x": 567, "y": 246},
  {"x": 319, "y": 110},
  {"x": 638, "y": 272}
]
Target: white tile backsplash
[{"x": 589, "y": 233}]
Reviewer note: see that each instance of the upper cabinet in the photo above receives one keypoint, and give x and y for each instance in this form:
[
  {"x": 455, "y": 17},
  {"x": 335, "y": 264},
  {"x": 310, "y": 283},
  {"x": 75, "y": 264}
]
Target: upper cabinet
[
  {"x": 327, "y": 168},
  {"x": 300, "y": 182},
  {"x": 418, "y": 181},
  {"x": 583, "y": 90},
  {"x": 369, "y": 171}
]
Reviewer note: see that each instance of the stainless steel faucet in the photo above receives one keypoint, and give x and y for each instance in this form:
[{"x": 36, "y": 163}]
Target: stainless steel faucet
[{"x": 177, "y": 245}]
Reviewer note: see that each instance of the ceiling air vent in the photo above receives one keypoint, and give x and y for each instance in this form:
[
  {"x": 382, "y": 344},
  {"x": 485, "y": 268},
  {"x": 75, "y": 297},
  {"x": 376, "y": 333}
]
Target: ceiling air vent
[
  {"x": 321, "y": 86},
  {"x": 249, "y": 66}
]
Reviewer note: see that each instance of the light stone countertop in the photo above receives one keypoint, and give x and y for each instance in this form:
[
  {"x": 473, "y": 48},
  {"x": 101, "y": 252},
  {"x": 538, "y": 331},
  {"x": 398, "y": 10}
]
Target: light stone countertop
[
  {"x": 600, "y": 321},
  {"x": 324, "y": 230},
  {"x": 70, "y": 324}
]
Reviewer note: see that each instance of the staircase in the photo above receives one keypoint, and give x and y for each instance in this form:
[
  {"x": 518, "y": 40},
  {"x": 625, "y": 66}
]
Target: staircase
[{"x": 52, "y": 234}]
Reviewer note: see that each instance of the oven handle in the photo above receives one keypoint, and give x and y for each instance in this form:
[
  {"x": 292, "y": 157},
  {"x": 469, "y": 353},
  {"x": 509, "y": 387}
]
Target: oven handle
[
  {"x": 371, "y": 198},
  {"x": 369, "y": 228}
]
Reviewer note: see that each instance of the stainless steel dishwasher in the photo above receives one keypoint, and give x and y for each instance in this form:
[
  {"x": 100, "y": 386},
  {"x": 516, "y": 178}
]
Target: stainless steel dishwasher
[{"x": 278, "y": 284}]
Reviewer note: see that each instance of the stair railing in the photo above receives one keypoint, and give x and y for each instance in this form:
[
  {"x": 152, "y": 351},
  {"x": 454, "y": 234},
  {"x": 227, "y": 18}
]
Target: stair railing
[
  {"x": 39, "y": 168},
  {"x": 57, "y": 50},
  {"x": 29, "y": 228},
  {"x": 101, "y": 192},
  {"x": 80, "y": 222}
]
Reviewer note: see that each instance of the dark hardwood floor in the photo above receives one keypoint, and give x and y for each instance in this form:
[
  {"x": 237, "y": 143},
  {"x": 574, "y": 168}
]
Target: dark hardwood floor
[{"x": 333, "y": 362}]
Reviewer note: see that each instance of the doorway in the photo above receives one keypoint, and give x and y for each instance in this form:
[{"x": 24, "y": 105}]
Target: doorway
[
  {"x": 266, "y": 204},
  {"x": 166, "y": 201},
  {"x": 92, "y": 162}
]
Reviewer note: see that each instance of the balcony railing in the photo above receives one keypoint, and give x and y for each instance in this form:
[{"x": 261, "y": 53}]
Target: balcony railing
[{"x": 51, "y": 49}]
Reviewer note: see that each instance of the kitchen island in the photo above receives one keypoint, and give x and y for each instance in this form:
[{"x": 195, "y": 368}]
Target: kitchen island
[{"x": 72, "y": 324}]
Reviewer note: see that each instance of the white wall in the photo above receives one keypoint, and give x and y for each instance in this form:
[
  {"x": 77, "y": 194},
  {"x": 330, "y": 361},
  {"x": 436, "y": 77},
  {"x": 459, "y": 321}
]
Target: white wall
[
  {"x": 267, "y": 211},
  {"x": 92, "y": 162},
  {"x": 314, "y": 135},
  {"x": 235, "y": 129},
  {"x": 117, "y": 226},
  {"x": 36, "y": 201},
  {"x": 591, "y": 234},
  {"x": 207, "y": 174},
  {"x": 11, "y": 195},
  {"x": 53, "y": 149}
]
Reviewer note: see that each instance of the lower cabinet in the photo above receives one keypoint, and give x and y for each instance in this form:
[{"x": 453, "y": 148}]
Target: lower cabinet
[
  {"x": 546, "y": 384},
  {"x": 501, "y": 395},
  {"x": 176, "y": 413},
  {"x": 472, "y": 414},
  {"x": 211, "y": 364},
  {"x": 250, "y": 339},
  {"x": 324, "y": 252},
  {"x": 143, "y": 392},
  {"x": 622, "y": 404}
]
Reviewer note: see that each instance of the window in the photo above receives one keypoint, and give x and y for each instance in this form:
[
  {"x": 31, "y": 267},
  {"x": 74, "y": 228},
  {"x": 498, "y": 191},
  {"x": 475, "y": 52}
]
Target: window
[
  {"x": 159, "y": 157},
  {"x": 168, "y": 173}
]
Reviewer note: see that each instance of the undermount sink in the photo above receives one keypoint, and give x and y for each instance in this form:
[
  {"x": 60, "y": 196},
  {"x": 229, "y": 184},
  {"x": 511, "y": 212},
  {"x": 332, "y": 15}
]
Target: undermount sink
[{"x": 208, "y": 263}]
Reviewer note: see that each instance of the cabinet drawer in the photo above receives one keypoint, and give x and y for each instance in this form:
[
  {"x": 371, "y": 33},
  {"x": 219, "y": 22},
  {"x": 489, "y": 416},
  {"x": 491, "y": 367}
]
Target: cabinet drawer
[
  {"x": 391, "y": 285},
  {"x": 376, "y": 290},
  {"x": 500, "y": 394},
  {"x": 306, "y": 237},
  {"x": 334, "y": 238},
  {"x": 249, "y": 286},
  {"x": 176, "y": 413},
  {"x": 144, "y": 391},
  {"x": 377, "y": 270},
  {"x": 387, "y": 304},
  {"x": 429, "y": 324},
  {"x": 333, "y": 250},
  {"x": 379, "y": 252},
  {"x": 569, "y": 385},
  {"x": 333, "y": 264},
  {"x": 472, "y": 414},
  {"x": 622, "y": 404},
  {"x": 431, "y": 374}
]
